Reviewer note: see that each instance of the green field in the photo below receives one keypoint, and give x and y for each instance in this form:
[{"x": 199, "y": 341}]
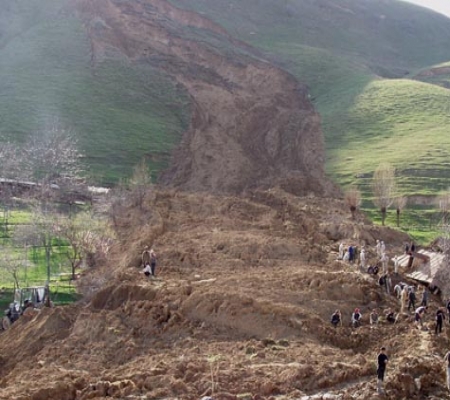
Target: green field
[{"x": 120, "y": 112}]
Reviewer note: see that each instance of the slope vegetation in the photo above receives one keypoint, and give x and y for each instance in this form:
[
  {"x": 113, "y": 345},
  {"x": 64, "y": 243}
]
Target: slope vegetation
[{"x": 120, "y": 111}]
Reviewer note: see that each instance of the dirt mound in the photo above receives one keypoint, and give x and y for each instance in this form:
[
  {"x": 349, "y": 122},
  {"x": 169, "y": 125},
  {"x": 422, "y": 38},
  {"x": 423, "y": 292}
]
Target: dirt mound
[{"x": 240, "y": 309}]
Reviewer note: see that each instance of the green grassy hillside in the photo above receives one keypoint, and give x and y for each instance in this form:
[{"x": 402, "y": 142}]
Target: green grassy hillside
[
  {"x": 351, "y": 55},
  {"x": 361, "y": 59},
  {"x": 120, "y": 112}
]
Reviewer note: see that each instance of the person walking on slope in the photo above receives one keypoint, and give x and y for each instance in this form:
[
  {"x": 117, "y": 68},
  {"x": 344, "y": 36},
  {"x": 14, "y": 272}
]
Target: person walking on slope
[
  {"x": 382, "y": 362},
  {"x": 440, "y": 316},
  {"x": 447, "y": 368}
]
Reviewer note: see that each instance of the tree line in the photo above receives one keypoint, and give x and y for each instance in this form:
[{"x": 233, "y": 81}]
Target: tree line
[
  {"x": 386, "y": 194},
  {"x": 44, "y": 172}
]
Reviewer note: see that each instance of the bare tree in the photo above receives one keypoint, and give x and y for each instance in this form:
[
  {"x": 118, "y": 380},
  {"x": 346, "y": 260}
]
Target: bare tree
[
  {"x": 140, "y": 184},
  {"x": 117, "y": 202},
  {"x": 383, "y": 188},
  {"x": 51, "y": 160},
  {"x": 86, "y": 235},
  {"x": 353, "y": 199},
  {"x": 400, "y": 204},
  {"x": 40, "y": 232},
  {"x": 12, "y": 263},
  {"x": 10, "y": 174}
]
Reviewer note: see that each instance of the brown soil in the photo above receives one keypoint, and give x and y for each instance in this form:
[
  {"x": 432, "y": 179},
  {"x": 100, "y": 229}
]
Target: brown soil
[
  {"x": 246, "y": 285},
  {"x": 252, "y": 124},
  {"x": 240, "y": 309}
]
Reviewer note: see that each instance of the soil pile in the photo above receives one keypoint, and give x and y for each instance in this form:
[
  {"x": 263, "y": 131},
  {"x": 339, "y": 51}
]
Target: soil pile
[{"x": 240, "y": 309}]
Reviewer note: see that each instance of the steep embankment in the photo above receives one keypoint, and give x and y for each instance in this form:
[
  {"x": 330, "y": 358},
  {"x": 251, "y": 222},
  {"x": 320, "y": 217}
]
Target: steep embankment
[{"x": 251, "y": 123}]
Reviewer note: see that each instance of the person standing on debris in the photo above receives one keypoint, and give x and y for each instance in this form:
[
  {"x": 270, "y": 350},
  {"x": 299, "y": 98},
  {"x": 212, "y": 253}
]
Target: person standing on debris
[
  {"x": 418, "y": 315},
  {"x": 384, "y": 262},
  {"x": 412, "y": 298},
  {"x": 362, "y": 259},
  {"x": 440, "y": 316},
  {"x": 447, "y": 365},
  {"x": 407, "y": 248},
  {"x": 378, "y": 248},
  {"x": 153, "y": 261},
  {"x": 341, "y": 251},
  {"x": 424, "y": 301},
  {"x": 398, "y": 290},
  {"x": 346, "y": 256},
  {"x": 374, "y": 317},
  {"x": 388, "y": 283},
  {"x": 336, "y": 318},
  {"x": 351, "y": 254},
  {"x": 395, "y": 265},
  {"x": 356, "y": 318},
  {"x": 403, "y": 299},
  {"x": 382, "y": 362},
  {"x": 447, "y": 306},
  {"x": 145, "y": 256},
  {"x": 382, "y": 247}
]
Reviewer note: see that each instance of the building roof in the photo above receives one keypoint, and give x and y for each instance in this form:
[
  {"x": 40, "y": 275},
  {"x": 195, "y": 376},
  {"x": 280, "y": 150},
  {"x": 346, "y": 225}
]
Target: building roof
[{"x": 427, "y": 266}]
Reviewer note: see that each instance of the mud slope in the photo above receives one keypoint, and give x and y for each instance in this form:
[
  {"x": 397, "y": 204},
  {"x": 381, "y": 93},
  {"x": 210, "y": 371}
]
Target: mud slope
[
  {"x": 240, "y": 309},
  {"x": 251, "y": 124}
]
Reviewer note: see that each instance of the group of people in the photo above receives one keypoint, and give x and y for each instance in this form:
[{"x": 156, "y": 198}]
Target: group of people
[
  {"x": 356, "y": 317},
  {"x": 149, "y": 262},
  {"x": 408, "y": 296},
  {"x": 348, "y": 254}
]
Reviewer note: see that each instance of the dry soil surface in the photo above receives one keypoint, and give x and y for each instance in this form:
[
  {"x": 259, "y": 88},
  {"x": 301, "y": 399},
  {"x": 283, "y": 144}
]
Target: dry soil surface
[{"x": 239, "y": 309}]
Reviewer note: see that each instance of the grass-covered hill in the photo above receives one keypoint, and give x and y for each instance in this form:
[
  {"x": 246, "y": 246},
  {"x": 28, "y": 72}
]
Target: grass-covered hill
[
  {"x": 375, "y": 70},
  {"x": 120, "y": 111}
]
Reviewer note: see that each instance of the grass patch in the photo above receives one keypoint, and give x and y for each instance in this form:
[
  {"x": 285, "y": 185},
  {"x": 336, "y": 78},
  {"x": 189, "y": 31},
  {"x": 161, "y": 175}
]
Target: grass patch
[{"x": 121, "y": 112}]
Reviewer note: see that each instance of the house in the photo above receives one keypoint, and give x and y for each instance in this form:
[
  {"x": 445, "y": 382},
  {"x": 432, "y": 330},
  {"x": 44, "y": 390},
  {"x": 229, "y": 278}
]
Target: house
[{"x": 429, "y": 267}]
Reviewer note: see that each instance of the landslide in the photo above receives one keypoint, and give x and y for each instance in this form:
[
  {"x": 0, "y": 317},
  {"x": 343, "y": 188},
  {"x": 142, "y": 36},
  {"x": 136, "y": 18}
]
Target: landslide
[
  {"x": 240, "y": 309},
  {"x": 252, "y": 123}
]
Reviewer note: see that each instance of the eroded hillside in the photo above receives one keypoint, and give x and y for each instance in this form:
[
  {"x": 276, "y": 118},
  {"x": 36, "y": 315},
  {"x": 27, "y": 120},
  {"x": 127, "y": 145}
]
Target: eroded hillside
[{"x": 251, "y": 123}]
